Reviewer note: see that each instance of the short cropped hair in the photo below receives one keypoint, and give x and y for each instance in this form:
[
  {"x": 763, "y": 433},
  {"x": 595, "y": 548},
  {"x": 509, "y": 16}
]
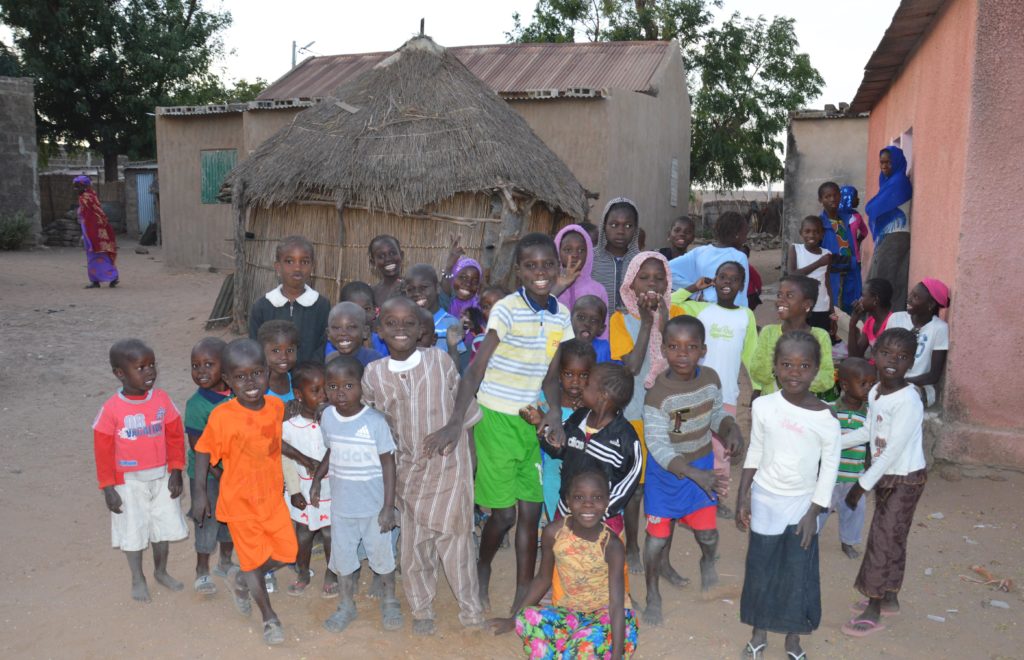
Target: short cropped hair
[
  {"x": 293, "y": 242},
  {"x": 242, "y": 350},
  {"x": 801, "y": 338},
  {"x": 808, "y": 285},
  {"x": 425, "y": 271},
  {"x": 214, "y": 344},
  {"x": 880, "y": 288},
  {"x": 278, "y": 329},
  {"x": 685, "y": 322},
  {"x": 355, "y": 288},
  {"x": 901, "y": 337},
  {"x": 534, "y": 239},
  {"x": 126, "y": 349},
  {"x": 728, "y": 226},
  {"x": 304, "y": 372},
  {"x": 735, "y": 264},
  {"x": 825, "y": 186},
  {"x": 383, "y": 237},
  {"x": 590, "y": 300},
  {"x": 345, "y": 364},
  {"x": 577, "y": 348}
]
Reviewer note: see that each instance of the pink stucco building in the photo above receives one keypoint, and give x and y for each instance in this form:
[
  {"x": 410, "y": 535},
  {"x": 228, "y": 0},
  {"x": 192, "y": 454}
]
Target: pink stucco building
[{"x": 947, "y": 83}]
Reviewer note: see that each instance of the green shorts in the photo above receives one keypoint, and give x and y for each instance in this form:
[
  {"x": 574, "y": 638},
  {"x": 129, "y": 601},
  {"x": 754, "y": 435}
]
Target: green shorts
[{"x": 507, "y": 461}]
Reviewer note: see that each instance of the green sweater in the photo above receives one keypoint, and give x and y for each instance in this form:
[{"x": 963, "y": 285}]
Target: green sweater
[{"x": 761, "y": 367}]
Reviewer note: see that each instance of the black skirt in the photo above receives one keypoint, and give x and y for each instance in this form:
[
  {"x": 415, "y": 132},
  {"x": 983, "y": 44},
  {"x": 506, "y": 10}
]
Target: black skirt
[{"x": 782, "y": 587}]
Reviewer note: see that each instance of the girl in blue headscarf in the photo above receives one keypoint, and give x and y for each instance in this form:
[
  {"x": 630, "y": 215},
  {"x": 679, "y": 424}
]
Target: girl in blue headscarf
[
  {"x": 889, "y": 225},
  {"x": 844, "y": 277}
]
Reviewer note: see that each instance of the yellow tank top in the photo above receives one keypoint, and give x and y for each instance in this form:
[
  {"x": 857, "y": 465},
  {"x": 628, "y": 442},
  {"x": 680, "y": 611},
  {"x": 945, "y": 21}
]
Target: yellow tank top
[{"x": 582, "y": 570}]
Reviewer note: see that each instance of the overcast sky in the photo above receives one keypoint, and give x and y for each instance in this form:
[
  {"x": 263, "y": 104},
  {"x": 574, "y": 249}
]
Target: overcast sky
[{"x": 839, "y": 35}]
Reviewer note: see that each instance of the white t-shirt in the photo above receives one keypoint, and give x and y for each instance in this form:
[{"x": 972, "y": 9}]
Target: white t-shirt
[
  {"x": 806, "y": 258},
  {"x": 728, "y": 332},
  {"x": 933, "y": 336},
  {"x": 894, "y": 429}
]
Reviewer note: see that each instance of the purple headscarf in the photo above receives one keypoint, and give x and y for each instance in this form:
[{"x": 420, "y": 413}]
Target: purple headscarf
[
  {"x": 83, "y": 180},
  {"x": 458, "y": 305}
]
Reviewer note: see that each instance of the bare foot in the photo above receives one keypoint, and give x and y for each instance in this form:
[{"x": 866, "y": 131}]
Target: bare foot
[
  {"x": 708, "y": 574},
  {"x": 424, "y": 626},
  {"x": 376, "y": 587},
  {"x": 673, "y": 577},
  {"x": 793, "y": 649},
  {"x": 635, "y": 563},
  {"x": 652, "y": 613},
  {"x": 163, "y": 578},
  {"x": 850, "y": 551},
  {"x": 140, "y": 591}
]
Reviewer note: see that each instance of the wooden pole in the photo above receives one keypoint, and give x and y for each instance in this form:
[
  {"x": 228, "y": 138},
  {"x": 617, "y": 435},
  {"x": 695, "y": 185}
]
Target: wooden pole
[{"x": 239, "y": 324}]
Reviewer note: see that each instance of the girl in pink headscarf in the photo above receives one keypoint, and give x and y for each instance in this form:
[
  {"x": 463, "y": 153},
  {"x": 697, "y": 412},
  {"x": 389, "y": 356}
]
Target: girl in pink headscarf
[
  {"x": 635, "y": 337},
  {"x": 576, "y": 252}
]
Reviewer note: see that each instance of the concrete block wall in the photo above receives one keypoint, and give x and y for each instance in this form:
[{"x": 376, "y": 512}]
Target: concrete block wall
[{"x": 19, "y": 187}]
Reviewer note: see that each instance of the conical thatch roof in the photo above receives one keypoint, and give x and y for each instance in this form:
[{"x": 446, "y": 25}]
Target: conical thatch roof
[{"x": 414, "y": 130}]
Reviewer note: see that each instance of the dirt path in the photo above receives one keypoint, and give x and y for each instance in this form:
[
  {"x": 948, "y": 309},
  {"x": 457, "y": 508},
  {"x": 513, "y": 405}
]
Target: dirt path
[{"x": 65, "y": 591}]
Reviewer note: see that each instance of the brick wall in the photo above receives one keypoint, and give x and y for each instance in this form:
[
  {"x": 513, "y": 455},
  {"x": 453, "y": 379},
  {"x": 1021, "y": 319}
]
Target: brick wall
[{"x": 19, "y": 188}]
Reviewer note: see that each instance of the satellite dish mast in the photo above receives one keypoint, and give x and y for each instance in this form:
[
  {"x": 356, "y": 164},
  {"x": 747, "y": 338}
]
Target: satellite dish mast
[{"x": 295, "y": 50}]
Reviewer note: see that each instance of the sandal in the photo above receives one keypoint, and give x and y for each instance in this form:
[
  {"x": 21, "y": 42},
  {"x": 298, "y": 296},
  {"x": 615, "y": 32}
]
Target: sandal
[
  {"x": 113, "y": 284},
  {"x": 92, "y": 285},
  {"x": 344, "y": 615},
  {"x": 754, "y": 652},
  {"x": 297, "y": 588},
  {"x": 330, "y": 591},
  {"x": 391, "y": 615},
  {"x": 273, "y": 633},
  {"x": 794, "y": 656},
  {"x": 242, "y": 603},
  {"x": 872, "y": 627},
  {"x": 204, "y": 585}
]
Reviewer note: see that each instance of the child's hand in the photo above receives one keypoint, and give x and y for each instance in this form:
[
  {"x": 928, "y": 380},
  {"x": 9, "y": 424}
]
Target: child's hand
[
  {"x": 531, "y": 415},
  {"x": 500, "y": 626},
  {"x": 454, "y": 253},
  {"x": 556, "y": 434},
  {"x": 174, "y": 484},
  {"x": 441, "y": 441},
  {"x": 292, "y": 408},
  {"x": 112, "y": 499},
  {"x": 314, "y": 495},
  {"x": 742, "y": 513},
  {"x": 857, "y": 313},
  {"x": 733, "y": 444},
  {"x": 568, "y": 276},
  {"x": 708, "y": 481},
  {"x": 455, "y": 334},
  {"x": 808, "y": 526},
  {"x": 298, "y": 501},
  {"x": 216, "y": 471},
  {"x": 200, "y": 508},
  {"x": 311, "y": 464},
  {"x": 386, "y": 518},
  {"x": 853, "y": 497}
]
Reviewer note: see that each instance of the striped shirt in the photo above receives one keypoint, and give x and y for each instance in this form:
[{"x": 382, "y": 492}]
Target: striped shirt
[
  {"x": 679, "y": 416},
  {"x": 356, "y": 477},
  {"x": 529, "y": 338},
  {"x": 851, "y": 461}
]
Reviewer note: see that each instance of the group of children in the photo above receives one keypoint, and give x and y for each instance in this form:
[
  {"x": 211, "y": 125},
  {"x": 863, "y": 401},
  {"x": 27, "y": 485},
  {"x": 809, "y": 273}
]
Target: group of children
[{"x": 591, "y": 389}]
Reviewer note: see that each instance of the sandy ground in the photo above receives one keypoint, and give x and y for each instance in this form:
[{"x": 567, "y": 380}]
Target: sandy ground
[{"x": 66, "y": 592}]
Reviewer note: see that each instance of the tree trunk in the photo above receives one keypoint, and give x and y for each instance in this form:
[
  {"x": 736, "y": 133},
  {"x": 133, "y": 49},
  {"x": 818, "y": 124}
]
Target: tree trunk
[
  {"x": 647, "y": 24},
  {"x": 110, "y": 166}
]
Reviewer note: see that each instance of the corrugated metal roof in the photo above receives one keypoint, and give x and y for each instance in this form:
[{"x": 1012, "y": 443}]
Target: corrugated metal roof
[
  {"x": 909, "y": 24},
  {"x": 509, "y": 69}
]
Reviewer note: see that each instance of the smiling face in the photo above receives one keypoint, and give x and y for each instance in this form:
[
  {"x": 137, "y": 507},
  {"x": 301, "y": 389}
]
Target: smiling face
[
  {"x": 920, "y": 302},
  {"x": 573, "y": 377},
  {"x": 681, "y": 235},
  {"x": 310, "y": 394},
  {"x": 588, "y": 500},
  {"x": 488, "y": 300},
  {"x": 423, "y": 291},
  {"x": 791, "y": 303},
  {"x": 893, "y": 361},
  {"x": 728, "y": 283},
  {"x": 137, "y": 373},
  {"x": 619, "y": 229},
  {"x": 399, "y": 327},
  {"x": 537, "y": 269},
  {"x": 294, "y": 267},
  {"x": 885, "y": 164},
  {"x": 344, "y": 391},
  {"x": 811, "y": 233},
  {"x": 386, "y": 259},
  {"x": 248, "y": 379},
  {"x": 281, "y": 354},
  {"x": 206, "y": 371},
  {"x": 795, "y": 368},
  {"x": 466, "y": 283},
  {"x": 830, "y": 199},
  {"x": 572, "y": 250},
  {"x": 346, "y": 332},
  {"x": 650, "y": 277},
  {"x": 683, "y": 348}
]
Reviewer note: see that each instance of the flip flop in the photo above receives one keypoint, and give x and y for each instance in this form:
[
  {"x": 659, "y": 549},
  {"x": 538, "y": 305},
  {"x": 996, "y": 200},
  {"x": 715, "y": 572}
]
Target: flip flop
[
  {"x": 754, "y": 652},
  {"x": 344, "y": 615},
  {"x": 94, "y": 285},
  {"x": 220, "y": 571},
  {"x": 391, "y": 615},
  {"x": 802, "y": 656},
  {"x": 873, "y": 627},
  {"x": 297, "y": 588},
  {"x": 859, "y": 607},
  {"x": 330, "y": 590},
  {"x": 204, "y": 585},
  {"x": 273, "y": 633}
]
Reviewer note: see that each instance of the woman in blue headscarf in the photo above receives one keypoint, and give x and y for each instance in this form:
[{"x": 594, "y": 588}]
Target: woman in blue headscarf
[{"x": 889, "y": 225}]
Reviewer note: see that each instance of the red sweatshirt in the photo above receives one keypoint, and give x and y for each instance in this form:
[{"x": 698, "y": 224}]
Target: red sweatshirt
[{"x": 137, "y": 433}]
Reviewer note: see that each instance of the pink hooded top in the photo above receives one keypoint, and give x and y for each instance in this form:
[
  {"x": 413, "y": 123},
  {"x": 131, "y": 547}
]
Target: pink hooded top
[{"x": 585, "y": 285}]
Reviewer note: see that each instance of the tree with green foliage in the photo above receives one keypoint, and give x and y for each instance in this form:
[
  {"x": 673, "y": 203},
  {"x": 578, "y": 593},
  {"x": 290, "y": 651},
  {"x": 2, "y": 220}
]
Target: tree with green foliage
[
  {"x": 9, "y": 64},
  {"x": 746, "y": 73},
  {"x": 102, "y": 66}
]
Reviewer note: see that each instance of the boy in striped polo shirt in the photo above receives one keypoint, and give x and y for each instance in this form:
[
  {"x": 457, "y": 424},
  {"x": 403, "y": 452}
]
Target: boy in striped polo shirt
[
  {"x": 856, "y": 377},
  {"x": 517, "y": 358}
]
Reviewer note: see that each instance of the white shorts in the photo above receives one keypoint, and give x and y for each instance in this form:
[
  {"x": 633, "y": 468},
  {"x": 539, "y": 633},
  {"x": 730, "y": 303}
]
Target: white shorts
[
  {"x": 148, "y": 515},
  {"x": 346, "y": 533}
]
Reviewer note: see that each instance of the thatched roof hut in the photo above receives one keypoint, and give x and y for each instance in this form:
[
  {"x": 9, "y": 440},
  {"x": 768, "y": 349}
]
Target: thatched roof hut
[{"x": 417, "y": 147}]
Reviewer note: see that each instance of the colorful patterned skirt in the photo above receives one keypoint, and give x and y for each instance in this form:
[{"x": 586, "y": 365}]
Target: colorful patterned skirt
[
  {"x": 556, "y": 632},
  {"x": 101, "y": 267}
]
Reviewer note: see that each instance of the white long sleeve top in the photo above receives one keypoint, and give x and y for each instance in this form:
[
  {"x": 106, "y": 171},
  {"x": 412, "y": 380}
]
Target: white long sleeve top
[
  {"x": 794, "y": 450},
  {"x": 894, "y": 429}
]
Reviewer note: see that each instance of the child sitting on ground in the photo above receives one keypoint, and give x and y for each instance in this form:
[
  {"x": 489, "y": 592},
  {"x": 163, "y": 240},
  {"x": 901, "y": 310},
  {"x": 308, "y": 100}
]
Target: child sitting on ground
[
  {"x": 206, "y": 374},
  {"x": 346, "y": 329},
  {"x": 361, "y": 294},
  {"x": 588, "y": 324},
  {"x": 787, "y": 481},
  {"x": 681, "y": 410},
  {"x": 294, "y": 300},
  {"x": 591, "y": 617},
  {"x": 922, "y": 317},
  {"x": 415, "y": 389},
  {"x": 680, "y": 237},
  {"x": 576, "y": 255},
  {"x": 810, "y": 259},
  {"x": 139, "y": 447},
  {"x": 386, "y": 258},
  {"x": 360, "y": 458},
  {"x": 897, "y": 474},
  {"x": 302, "y": 433},
  {"x": 280, "y": 343},
  {"x": 796, "y": 296},
  {"x": 856, "y": 378},
  {"x": 874, "y": 308},
  {"x": 523, "y": 337},
  {"x": 245, "y": 433},
  {"x": 731, "y": 341},
  {"x": 635, "y": 337}
]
